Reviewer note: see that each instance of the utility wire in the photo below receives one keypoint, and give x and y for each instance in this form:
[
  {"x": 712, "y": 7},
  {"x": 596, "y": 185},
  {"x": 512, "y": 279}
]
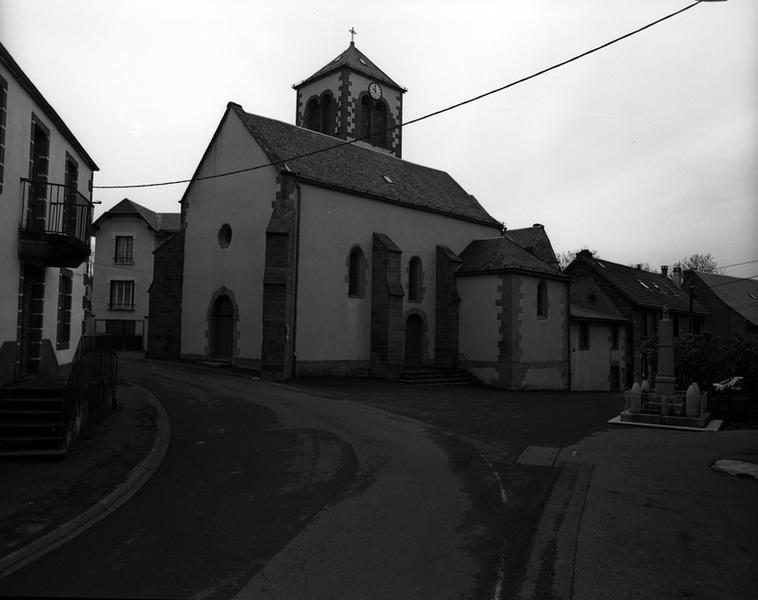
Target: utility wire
[
  {"x": 735, "y": 280},
  {"x": 422, "y": 118},
  {"x": 749, "y": 262}
]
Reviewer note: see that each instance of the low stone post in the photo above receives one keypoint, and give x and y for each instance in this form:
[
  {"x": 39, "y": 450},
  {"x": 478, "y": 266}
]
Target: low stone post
[
  {"x": 635, "y": 398},
  {"x": 693, "y": 400}
]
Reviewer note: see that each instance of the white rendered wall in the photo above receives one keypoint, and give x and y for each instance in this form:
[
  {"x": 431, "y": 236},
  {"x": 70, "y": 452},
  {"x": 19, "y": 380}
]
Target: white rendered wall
[
  {"x": 20, "y": 108},
  {"x": 590, "y": 368},
  {"x": 333, "y": 326},
  {"x": 543, "y": 340},
  {"x": 140, "y": 271},
  {"x": 244, "y": 202},
  {"x": 479, "y": 326}
]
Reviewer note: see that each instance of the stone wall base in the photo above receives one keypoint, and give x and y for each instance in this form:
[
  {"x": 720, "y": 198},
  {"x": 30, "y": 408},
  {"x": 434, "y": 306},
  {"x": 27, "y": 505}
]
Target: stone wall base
[{"x": 341, "y": 368}]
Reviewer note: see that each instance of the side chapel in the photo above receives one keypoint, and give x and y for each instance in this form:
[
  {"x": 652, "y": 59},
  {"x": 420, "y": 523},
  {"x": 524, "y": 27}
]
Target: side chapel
[{"x": 349, "y": 260}]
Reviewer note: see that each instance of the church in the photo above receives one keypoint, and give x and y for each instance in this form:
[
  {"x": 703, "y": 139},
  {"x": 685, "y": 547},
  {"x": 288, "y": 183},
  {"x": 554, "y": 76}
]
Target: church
[{"x": 315, "y": 248}]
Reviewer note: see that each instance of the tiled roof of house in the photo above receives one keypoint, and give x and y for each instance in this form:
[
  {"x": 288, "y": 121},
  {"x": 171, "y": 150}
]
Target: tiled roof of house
[
  {"x": 643, "y": 288},
  {"x": 581, "y": 313},
  {"x": 535, "y": 240},
  {"x": 740, "y": 294},
  {"x": 501, "y": 254},
  {"x": 164, "y": 222},
  {"x": 361, "y": 171},
  {"x": 356, "y": 60}
]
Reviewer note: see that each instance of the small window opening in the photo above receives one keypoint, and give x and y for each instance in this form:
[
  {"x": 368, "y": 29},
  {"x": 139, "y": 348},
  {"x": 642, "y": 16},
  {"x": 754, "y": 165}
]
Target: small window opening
[
  {"x": 356, "y": 269},
  {"x": 542, "y": 299},
  {"x": 414, "y": 279}
]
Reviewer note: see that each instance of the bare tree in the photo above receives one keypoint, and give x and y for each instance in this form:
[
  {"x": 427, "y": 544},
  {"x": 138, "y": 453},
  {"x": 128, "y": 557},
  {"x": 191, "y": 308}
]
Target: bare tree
[
  {"x": 705, "y": 263},
  {"x": 567, "y": 257},
  {"x": 641, "y": 266}
]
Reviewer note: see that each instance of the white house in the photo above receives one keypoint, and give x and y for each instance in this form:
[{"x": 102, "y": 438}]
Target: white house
[
  {"x": 46, "y": 213},
  {"x": 125, "y": 238}
]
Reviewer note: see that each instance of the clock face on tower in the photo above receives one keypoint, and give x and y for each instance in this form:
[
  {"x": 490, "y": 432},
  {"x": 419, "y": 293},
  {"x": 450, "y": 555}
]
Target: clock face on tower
[{"x": 375, "y": 90}]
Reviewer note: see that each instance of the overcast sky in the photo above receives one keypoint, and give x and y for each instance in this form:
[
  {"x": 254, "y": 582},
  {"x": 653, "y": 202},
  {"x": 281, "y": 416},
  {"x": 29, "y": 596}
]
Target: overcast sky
[{"x": 646, "y": 151}]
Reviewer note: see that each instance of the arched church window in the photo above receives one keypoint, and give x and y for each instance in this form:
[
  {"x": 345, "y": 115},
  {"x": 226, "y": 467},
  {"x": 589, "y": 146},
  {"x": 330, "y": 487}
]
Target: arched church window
[
  {"x": 542, "y": 299},
  {"x": 327, "y": 114},
  {"x": 415, "y": 289},
  {"x": 356, "y": 273},
  {"x": 379, "y": 124},
  {"x": 312, "y": 118}
]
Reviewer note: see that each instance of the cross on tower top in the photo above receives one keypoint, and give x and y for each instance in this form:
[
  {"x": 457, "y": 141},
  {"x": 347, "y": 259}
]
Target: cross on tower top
[{"x": 352, "y": 34}]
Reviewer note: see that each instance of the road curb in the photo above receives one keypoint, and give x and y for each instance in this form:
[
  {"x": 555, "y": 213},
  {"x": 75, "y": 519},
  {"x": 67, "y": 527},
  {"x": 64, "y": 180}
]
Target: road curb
[
  {"x": 137, "y": 477},
  {"x": 550, "y": 570}
]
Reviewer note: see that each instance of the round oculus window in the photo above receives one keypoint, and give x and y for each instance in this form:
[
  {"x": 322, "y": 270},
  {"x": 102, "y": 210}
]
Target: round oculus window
[{"x": 225, "y": 235}]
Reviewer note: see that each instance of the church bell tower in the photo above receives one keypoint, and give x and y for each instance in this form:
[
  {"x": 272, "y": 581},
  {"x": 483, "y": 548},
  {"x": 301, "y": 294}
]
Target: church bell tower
[{"x": 352, "y": 99}]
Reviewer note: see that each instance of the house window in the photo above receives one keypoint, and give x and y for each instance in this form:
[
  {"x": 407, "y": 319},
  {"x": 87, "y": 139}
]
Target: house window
[
  {"x": 675, "y": 325},
  {"x": 697, "y": 326},
  {"x": 415, "y": 288},
  {"x": 614, "y": 337},
  {"x": 65, "y": 288},
  {"x": 356, "y": 273},
  {"x": 584, "y": 336},
  {"x": 122, "y": 295},
  {"x": 3, "y": 118},
  {"x": 124, "y": 249},
  {"x": 643, "y": 317},
  {"x": 73, "y": 222},
  {"x": 542, "y": 299}
]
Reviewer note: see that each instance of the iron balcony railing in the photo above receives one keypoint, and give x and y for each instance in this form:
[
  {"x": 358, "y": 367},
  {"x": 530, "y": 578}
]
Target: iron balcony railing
[{"x": 55, "y": 209}]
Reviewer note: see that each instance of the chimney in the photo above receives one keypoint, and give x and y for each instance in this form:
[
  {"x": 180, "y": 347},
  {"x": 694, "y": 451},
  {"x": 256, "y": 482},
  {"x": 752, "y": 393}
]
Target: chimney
[
  {"x": 639, "y": 266},
  {"x": 540, "y": 225},
  {"x": 665, "y": 270},
  {"x": 677, "y": 276}
]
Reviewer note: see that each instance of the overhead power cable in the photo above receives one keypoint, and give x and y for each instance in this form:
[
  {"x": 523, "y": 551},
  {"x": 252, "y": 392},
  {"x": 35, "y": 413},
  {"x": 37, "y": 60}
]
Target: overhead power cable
[
  {"x": 749, "y": 262},
  {"x": 734, "y": 280},
  {"x": 416, "y": 120}
]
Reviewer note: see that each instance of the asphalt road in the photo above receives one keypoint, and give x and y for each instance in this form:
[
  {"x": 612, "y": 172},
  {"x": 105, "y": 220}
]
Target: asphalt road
[{"x": 269, "y": 492}]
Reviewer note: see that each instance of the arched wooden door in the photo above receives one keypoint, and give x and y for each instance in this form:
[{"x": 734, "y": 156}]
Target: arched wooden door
[
  {"x": 222, "y": 323},
  {"x": 414, "y": 340}
]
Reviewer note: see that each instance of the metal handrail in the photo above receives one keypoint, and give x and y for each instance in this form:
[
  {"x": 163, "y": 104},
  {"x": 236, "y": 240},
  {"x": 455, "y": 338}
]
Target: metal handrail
[{"x": 91, "y": 385}]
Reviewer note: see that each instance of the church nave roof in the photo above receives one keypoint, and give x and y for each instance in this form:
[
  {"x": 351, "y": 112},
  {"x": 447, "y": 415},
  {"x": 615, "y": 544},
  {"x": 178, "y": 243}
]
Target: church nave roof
[{"x": 362, "y": 171}]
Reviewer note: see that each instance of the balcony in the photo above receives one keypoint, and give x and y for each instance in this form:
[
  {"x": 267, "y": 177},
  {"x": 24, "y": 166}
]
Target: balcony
[{"x": 55, "y": 224}]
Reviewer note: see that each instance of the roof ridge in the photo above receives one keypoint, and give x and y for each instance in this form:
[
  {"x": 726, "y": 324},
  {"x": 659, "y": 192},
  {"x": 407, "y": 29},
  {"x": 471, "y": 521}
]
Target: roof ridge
[
  {"x": 353, "y": 168},
  {"x": 362, "y": 64}
]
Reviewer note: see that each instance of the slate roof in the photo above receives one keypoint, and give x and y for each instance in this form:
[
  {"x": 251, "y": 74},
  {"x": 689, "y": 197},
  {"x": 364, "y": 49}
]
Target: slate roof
[
  {"x": 741, "y": 295},
  {"x": 643, "y": 288},
  {"x": 361, "y": 171},
  {"x": 162, "y": 222},
  {"x": 534, "y": 240},
  {"x": 356, "y": 60},
  {"x": 501, "y": 254}
]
